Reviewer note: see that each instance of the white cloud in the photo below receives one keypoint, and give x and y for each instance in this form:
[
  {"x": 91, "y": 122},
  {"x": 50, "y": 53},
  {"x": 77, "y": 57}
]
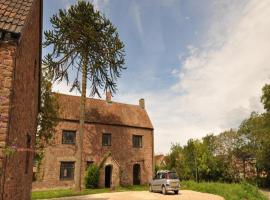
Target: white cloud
[
  {"x": 100, "y": 5},
  {"x": 136, "y": 14},
  {"x": 219, "y": 84}
]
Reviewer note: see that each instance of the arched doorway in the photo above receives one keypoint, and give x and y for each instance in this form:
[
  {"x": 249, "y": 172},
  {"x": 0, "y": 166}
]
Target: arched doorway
[
  {"x": 136, "y": 174},
  {"x": 108, "y": 176}
]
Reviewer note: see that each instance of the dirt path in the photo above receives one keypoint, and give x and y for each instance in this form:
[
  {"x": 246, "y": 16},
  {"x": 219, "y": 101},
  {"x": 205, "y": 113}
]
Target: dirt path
[{"x": 183, "y": 195}]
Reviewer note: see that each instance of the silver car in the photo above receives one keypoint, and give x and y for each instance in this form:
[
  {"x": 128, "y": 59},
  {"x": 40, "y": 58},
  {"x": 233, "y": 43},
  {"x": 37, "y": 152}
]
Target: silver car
[{"x": 165, "y": 181}]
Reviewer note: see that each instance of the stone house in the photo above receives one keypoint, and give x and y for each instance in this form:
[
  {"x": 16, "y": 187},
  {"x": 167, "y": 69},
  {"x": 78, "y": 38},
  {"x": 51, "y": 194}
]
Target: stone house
[
  {"x": 160, "y": 160},
  {"x": 119, "y": 134},
  {"x": 20, "y": 53}
]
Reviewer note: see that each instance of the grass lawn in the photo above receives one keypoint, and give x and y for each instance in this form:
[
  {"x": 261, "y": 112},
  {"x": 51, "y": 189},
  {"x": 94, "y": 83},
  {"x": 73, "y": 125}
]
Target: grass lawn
[
  {"x": 228, "y": 191},
  {"x": 241, "y": 191},
  {"x": 47, "y": 194}
]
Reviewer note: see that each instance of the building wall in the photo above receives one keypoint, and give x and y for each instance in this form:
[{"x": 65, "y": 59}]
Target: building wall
[
  {"x": 23, "y": 109},
  {"x": 7, "y": 51},
  {"x": 123, "y": 155}
]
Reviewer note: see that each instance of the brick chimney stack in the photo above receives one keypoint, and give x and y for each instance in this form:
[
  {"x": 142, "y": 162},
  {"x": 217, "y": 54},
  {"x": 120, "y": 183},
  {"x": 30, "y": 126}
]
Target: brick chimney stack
[
  {"x": 142, "y": 103},
  {"x": 109, "y": 97}
]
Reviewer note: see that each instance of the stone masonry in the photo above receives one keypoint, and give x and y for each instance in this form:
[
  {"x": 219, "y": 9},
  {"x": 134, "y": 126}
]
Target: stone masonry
[
  {"x": 20, "y": 53},
  {"x": 122, "y": 121}
]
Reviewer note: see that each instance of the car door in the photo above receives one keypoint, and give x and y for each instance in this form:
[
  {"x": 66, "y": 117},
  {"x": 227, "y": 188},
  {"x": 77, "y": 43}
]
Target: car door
[
  {"x": 155, "y": 183},
  {"x": 159, "y": 182}
]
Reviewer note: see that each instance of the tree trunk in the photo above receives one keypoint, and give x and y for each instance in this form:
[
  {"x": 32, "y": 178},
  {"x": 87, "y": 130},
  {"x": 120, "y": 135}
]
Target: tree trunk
[{"x": 78, "y": 168}]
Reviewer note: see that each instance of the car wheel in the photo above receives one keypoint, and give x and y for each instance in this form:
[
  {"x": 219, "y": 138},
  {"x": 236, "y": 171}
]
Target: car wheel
[
  {"x": 150, "y": 188},
  {"x": 176, "y": 192},
  {"x": 164, "y": 191}
]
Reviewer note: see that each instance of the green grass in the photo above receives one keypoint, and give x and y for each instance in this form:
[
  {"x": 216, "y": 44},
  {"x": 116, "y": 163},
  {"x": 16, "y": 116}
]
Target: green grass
[
  {"x": 48, "y": 194},
  {"x": 242, "y": 191}
]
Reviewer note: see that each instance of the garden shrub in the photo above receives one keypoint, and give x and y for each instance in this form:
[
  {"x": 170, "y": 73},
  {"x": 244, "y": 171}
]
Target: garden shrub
[{"x": 92, "y": 176}]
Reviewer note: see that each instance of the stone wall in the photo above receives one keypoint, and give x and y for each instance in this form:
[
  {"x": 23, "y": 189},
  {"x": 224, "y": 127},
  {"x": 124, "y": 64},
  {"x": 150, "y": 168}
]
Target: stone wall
[
  {"x": 123, "y": 155},
  {"x": 7, "y": 51},
  {"x": 23, "y": 109}
]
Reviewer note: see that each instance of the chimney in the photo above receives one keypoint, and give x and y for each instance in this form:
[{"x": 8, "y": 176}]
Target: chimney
[
  {"x": 142, "y": 103},
  {"x": 109, "y": 97}
]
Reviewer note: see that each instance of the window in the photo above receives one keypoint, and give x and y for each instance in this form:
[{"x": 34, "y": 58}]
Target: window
[
  {"x": 106, "y": 139},
  {"x": 69, "y": 137},
  {"x": 27, "y": 158},
  {"x": 137, "y": 141},
  {"x": 67, "y": 170}
]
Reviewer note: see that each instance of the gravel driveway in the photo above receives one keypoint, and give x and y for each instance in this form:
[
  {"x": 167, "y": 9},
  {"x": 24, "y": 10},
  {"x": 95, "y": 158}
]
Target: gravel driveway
[{"x": 183, "y": 195}]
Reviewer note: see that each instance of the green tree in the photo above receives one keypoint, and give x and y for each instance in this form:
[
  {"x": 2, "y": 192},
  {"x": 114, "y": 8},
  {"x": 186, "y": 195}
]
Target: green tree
[
  {"x": 85, "y": 43},
  {"x": 92, "y": 176},
  {"x": 265, "y": 99},
  {"x": 175, "y": 160},
  {"x": 48, "y": 115}
]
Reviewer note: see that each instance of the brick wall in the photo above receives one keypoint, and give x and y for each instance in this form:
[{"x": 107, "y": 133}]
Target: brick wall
[
  {"x": 123, "y": 157},
  {"x": 23, "y": 108},
  {"x": 7, "y": 51}
]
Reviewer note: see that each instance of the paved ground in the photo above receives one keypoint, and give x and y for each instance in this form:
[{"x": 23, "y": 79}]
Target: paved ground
[
  {"x": 267, "y": 193},
  {"x": 183, "y": 195}
]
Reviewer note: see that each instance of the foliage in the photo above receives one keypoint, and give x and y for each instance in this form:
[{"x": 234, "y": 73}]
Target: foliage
[
  {"x": 228, "y": 191},
  {"x": 217, "y": 158},
  {"x": 265, "y": 99},
  {"x": 82, "y": 36},
  {"x": 49, "y": 194},
  {"x": 49, "y": 107},
  {"x": 85, "y": 43},
  {"x": 92, "y": 176},
  {"x": 47, "y": 118}
]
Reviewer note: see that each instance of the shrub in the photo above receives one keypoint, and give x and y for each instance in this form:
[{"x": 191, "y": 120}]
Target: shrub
[{"x": 92, "y": 176}]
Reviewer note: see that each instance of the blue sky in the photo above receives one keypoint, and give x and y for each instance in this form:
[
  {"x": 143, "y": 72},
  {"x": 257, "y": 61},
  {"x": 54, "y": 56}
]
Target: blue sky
[{"x": 200, "y": 65}]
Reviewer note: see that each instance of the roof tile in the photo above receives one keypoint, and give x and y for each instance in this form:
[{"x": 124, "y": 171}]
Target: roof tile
[
  {"x": 13, "y": 14},
  {"x": 99, "y": 111}
]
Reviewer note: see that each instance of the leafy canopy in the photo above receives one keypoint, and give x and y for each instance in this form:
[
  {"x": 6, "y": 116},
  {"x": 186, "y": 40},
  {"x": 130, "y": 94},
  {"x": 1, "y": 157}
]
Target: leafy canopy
[{"x": 82, "y": 36}]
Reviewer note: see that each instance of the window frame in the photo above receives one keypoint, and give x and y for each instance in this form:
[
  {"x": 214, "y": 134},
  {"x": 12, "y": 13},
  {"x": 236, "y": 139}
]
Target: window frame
[
  {"x": 69, "y": 131},
  {"x": 140, "y": 144},
  {"x": 61, "y": 177},
  {"x": 110, "y": 140}
]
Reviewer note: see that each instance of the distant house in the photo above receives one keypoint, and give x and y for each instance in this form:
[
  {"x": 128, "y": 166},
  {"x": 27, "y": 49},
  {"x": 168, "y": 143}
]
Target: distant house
[
  {"x": 120, "y": 134},
  {"x": 160, "y": 160},
  {"x": 20, "y": 53}
]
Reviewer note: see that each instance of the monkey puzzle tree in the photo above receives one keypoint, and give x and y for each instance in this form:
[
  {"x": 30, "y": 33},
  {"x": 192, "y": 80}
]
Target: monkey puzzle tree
[{"x": 85, "y": 47}]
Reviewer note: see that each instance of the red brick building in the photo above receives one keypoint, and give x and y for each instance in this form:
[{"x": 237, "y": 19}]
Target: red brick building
[
  {"x": 120, "y": 134},
  {"x": 20, "y": 53}
]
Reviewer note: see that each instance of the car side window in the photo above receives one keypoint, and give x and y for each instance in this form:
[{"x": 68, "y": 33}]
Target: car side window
[
  {"x": 157, "y": 176},
  {"x": 162, "y": 176}
]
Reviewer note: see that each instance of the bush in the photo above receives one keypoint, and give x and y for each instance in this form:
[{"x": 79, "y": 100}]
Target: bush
[
  {"x": 92, "y": 176},
  {"x": 233, "y": 191}
]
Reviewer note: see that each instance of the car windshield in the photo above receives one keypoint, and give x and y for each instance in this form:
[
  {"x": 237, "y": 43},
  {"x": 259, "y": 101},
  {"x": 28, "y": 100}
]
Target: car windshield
[{"x": 172, "y": 175}]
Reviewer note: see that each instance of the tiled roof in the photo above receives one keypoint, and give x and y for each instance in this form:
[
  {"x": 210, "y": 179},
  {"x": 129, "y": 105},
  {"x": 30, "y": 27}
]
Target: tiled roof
[
  {"x": 13, "y": 14},
  {"x": 100, "y": 111}
]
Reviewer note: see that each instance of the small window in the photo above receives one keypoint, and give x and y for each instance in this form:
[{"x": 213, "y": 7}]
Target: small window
[
  {"x": 137, "y": 141},
  {"x": 163, "y": 176},
  {"x": 106, "y": 139},
  {"x": 69, "y": 137},
  {"x": 27, "y": 158},
  {"x": 67, "y": 170},
  {"x": 157, "y": 176}
]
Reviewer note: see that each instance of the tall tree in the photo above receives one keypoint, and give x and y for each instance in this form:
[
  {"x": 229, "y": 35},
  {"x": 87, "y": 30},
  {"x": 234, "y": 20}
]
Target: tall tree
[
  {"x": 48, "y": 115},
  {"x": 85, "y": 43}
]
